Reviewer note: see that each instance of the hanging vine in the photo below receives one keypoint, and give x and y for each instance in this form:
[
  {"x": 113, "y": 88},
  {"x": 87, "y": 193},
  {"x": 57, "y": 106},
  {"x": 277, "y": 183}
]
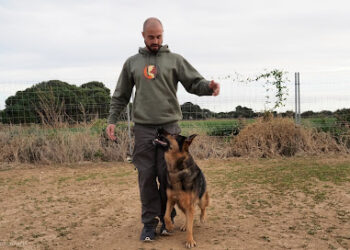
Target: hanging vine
[
  {"x": 277, "y": 79},
  {"x": 274, "y": 81}
]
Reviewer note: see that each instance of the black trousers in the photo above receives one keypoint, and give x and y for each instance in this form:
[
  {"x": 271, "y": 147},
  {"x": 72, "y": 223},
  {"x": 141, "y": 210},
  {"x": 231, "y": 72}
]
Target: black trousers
[{"x": 150, "y": 163}]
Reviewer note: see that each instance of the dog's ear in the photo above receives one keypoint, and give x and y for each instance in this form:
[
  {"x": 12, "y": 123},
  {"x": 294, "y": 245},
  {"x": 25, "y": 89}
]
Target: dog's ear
[
  {"x": 190, "y": 138},
  {"x": 188, "y": 141}
]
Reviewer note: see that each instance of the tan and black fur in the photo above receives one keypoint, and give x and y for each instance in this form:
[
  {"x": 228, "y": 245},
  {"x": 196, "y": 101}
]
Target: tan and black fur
[{"x": 186, "y": 182}]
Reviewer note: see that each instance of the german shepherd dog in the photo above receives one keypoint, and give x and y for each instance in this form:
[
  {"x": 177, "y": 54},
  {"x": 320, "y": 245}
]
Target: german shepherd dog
[{"x": 186, "y": 183}]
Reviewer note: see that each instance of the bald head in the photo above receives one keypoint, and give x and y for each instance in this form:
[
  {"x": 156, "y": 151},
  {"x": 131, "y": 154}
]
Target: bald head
[
  {"x": 151, "y": 23},
  {"x": 153, "y": 34}
]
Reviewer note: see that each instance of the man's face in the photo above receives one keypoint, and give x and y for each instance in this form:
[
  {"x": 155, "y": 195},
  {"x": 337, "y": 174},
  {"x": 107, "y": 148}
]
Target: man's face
[{"x": 153, "y": 36}]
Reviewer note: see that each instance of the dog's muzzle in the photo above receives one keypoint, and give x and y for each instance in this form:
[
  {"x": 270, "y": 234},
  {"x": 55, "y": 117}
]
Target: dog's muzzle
[{"x": 159, "y": 142}]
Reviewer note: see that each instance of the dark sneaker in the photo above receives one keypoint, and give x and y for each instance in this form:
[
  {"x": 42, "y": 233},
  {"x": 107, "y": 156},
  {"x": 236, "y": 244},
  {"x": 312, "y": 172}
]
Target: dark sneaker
[{"x": 148, "y": 233}]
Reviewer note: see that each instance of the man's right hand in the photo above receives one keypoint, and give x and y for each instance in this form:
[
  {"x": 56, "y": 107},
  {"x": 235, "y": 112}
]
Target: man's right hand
[{"x": 110, "y": 132}]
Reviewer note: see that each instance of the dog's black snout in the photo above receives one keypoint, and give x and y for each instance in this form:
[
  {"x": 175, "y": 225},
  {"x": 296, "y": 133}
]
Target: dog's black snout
[{"x": 160, "y": 131}]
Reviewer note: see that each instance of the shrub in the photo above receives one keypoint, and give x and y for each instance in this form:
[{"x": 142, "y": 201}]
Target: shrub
[{"x": 281, "y": 137}]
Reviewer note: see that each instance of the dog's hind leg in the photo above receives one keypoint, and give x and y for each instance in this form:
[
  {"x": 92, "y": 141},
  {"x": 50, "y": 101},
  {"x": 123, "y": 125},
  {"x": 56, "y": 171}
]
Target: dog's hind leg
[{"x": 203, "y": 203}]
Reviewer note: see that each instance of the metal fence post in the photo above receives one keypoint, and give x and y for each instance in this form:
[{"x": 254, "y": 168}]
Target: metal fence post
[
  {"x": 297, "y": 98},
  {"x": 129, "y": 157}
]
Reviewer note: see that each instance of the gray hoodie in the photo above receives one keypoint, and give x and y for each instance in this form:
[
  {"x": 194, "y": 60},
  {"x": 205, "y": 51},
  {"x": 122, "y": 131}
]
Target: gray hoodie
[{"x": 155, "y": 76}]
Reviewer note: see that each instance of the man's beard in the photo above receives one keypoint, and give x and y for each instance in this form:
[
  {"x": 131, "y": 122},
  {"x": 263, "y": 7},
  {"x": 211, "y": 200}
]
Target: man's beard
[{"x": 153, "y": 49}]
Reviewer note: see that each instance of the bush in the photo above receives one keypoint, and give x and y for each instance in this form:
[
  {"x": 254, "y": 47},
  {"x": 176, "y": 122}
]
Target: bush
[{"x": 281, "y": 137}]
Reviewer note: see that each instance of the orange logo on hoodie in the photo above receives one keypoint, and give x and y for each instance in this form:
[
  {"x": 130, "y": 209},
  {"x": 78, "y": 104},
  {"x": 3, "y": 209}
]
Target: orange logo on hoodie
[{"x": 150, "y": 71}]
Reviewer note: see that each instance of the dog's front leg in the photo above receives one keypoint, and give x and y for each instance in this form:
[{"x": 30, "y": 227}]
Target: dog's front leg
[
  {"x": 169, "y": 207},
  {"x": 189, "y": 218}
]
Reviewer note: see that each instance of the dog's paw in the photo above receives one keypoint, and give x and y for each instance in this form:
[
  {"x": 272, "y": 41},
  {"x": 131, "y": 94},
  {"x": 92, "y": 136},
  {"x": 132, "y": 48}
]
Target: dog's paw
[
  {"x": 203, "y": 219},
  {"x": 165, "y": 232},
  {"x": 190, "y": 243},
  {"x": 169, "y": 227},
  {"x": 183, "y": 228}
]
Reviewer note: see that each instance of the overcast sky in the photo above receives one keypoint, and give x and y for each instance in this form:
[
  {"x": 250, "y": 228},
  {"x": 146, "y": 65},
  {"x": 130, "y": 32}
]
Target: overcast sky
[{"x": 80, "y": 41}]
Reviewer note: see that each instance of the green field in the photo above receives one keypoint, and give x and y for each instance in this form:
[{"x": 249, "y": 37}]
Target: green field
[{"x": 216, "y": 127}]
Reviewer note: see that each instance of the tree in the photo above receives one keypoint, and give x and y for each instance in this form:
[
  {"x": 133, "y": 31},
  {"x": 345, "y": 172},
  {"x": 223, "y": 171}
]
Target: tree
[
  {"x": 244, "y": 112},
  {"x": 325, "y": 113},
  {"x": 191, "y": 111},
  {"x": 57, "y": 101},
  {"x": 96, "y": 99},
  {"x": 307, "y": 114},
  {"x": 343, "y": 116}
]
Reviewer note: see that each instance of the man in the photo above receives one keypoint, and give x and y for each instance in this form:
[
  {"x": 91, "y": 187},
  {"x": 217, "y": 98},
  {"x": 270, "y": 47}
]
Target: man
[{"x": 155, "y": 72}]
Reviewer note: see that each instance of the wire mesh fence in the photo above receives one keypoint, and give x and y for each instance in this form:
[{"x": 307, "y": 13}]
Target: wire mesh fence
[
  {"x": 75, "y": 117},
  {"x": 323, "y": 106}
]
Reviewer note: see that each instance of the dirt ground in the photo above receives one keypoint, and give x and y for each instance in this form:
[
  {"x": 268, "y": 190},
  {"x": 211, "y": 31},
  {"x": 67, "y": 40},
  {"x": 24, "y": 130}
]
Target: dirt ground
[{"x": 97, "y": 206}]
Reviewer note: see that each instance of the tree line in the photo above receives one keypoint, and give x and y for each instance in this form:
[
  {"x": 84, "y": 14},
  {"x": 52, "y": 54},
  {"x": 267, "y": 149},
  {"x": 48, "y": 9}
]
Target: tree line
[{"x": 57, "y": 101}]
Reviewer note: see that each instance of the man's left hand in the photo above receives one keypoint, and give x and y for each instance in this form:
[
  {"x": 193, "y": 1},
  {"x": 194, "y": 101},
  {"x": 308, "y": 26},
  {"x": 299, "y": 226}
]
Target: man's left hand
[{"x": 215, "y": 87}]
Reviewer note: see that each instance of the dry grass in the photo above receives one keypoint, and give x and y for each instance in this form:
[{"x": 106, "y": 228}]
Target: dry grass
[
  {"x": 262, "y": 139},
  {"x": 206, "y": 147},
  {"x": 45, "y": 145},
  {"x": 281, "y": 137}
]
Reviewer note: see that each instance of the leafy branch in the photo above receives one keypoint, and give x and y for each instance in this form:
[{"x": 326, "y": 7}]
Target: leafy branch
[
  {"x": 274, "y": 79},
  {"x": 278, "y": 79}
]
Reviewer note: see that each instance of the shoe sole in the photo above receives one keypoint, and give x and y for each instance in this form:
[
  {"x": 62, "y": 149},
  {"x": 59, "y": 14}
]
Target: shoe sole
[{"x": 147, "y": 239}]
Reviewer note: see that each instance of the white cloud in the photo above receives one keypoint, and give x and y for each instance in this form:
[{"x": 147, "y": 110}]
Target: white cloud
[{"x": 78, "y": 41}]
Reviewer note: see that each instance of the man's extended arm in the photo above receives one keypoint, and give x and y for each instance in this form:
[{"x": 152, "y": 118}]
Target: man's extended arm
[{"x": 194, "y": 82}]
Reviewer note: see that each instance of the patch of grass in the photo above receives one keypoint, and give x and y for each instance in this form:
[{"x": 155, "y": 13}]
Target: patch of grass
[
  {"x": 63, "y": 179},
  {"x": 312, "y": 231},
  {"x": 283, "y": 175},
  {"x": 4, "y": 181},
  {"x": 87, "y": 177},
  {"x": 265, "y": 238},
  {"x": 320, "y": 196},
  {"x": 321, "y": 123},
  {"x": 205, "y": 126},
  {"x": 100, "y": 176},
  {"x": 122, "y": 174},
  {"x": 37, "y": 235},
  {"x": 27, "y": 181},
  {"x": 62, "y": 231},
  {"x": 66, "y": 199}
]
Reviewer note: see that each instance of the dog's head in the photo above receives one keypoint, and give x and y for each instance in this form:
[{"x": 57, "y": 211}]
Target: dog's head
[{"x": 173, "y": 143}]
